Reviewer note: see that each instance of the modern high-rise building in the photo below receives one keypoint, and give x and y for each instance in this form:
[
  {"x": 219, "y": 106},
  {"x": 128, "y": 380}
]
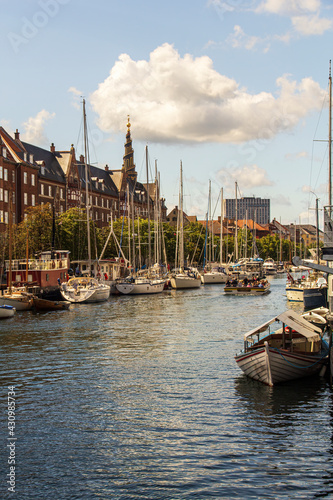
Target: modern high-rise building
[{"x": 256, "y": 209}]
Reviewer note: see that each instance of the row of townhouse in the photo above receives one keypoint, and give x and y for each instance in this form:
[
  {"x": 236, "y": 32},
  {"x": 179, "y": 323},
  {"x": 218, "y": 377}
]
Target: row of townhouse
[{"x": 31, "y": 176}]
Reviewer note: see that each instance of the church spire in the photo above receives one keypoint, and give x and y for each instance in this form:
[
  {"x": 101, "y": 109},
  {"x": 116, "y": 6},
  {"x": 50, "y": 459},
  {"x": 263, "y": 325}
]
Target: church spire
[{"x": 128, "y": 166}]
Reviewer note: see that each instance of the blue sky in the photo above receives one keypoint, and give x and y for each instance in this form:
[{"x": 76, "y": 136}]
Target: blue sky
[{"x": 236, "y": 90}]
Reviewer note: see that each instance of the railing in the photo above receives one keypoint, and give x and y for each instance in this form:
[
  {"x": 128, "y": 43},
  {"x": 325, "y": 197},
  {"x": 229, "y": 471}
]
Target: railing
[{"x": 37, "y": 265}]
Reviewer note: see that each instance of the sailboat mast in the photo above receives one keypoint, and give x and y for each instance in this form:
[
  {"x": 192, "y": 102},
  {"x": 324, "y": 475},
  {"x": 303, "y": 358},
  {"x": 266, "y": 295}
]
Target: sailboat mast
[
  {"x": 86, "y": 176},
  {"x": 330, "y": 142},
  {"x": 236, "y": 223},
  {"x": 221, "y": 230},
  {"x": 10, "y": 244},
  {"x": 148, "y": 209},
  {"x": 181, "y": 221}
]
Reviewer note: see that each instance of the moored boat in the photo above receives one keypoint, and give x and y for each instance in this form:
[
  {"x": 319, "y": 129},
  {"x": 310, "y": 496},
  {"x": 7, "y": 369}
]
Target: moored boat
[
  {"x": 7, "y": 311},
  {"x": 84, "y": 290},
  {"x": 50, "y": 305},
  {"x": 139, "y": 286},
  {"x": 17, "y": 298},
  {"x": 296, "y": 349}
]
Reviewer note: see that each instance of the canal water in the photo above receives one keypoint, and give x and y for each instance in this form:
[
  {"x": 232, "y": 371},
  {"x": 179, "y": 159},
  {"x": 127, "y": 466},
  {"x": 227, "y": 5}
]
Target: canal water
[{"x": 140, "y": 398}]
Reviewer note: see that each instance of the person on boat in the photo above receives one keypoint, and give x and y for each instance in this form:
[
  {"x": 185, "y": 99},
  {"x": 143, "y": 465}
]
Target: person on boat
[
  {"x": 245, "y": 281},
  {"x": 228, "y": 283}
]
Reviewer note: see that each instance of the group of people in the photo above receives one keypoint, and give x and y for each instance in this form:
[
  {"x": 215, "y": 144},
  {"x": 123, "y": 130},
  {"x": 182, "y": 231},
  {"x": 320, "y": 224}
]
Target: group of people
[{"x": 247, "y": 282}]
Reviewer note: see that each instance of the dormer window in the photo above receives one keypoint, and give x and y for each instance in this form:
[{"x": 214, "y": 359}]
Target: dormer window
[
  {"x": 31, "y": 158},
  {"x": 25, "y": 156},
  {"x": 4, "y": 152}
]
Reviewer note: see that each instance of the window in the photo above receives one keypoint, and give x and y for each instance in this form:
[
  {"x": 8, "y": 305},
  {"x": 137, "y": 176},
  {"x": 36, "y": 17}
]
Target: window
[
  {"x": 5, "y": 196},
  {"x": 33, "y": 198},
  {"x": 4, "y": 152},
  {"x": 42, "y": 189},
  {"x": 13, "y": 198},
  {"x": 25, "y": 178},
  {"x": 50, "y": 190},
  {"x": 1, "y": 215},
  {"x": 61, "y": 194},
  {"x": 5, "y": 174},
  {"x": 6, "y": 217},
  {"x": 33, "y": 179},
  {"x": 0, "y": 172},
  {"x": 1, "y": 194},
  {"x": 13, "y": 176},
  {"x": 25, "y": 198}
]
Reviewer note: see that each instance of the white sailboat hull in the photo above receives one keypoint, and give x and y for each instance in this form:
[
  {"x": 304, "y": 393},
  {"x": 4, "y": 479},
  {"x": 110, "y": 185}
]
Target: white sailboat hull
[
  {"x": 213, "y": 277},
  {"x": 272, "y": 366},
  {"x": 81, "y": 290},
  {"x": 140, "y": 288},
  {"x": 182, "y": 281}
]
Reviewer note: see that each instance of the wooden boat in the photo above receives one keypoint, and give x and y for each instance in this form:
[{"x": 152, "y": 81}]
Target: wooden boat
[
  {"x": 50, "y": 305},
  {"x": 295, "y": 349},
  {"x": 257, "y": 287},
  {"x": 7, "y": 311},
  {"x": 17, "y": 298},
  {"x": 86, "y": 289}
]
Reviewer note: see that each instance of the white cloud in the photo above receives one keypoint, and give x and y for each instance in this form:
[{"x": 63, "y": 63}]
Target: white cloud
[
  {"x": 77, "y": 96},
  {"x": 183, "y": 99},
  {"x": 311, "y": 25},
  {"x": 304, "y": 15},
  {"x": 248, "y": 176},
  {"x": 239, "y": 39},
  {"x": 289, "y": 7},
  {"x": 34, "y": 128}
]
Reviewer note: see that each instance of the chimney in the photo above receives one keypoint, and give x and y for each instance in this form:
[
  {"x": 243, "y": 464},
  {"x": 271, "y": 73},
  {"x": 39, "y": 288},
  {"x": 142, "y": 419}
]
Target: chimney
[
  {"x": 52, "y": 148},
  {"x": 17, "y": 135},
  {"x": 81, "y": 158},
  {"x": 106, "y": 168}
]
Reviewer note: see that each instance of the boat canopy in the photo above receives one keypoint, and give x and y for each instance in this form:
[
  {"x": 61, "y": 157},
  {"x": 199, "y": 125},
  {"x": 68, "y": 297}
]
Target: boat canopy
[{"x": 295, "y": 321}]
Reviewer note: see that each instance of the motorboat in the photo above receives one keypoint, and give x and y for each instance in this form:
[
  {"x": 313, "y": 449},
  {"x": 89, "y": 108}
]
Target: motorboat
[{"x": 247, "y": 287}]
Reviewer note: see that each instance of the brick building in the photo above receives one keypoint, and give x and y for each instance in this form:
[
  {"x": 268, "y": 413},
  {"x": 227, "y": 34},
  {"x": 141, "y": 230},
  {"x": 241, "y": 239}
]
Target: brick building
[{"x": 35, "y": 176}]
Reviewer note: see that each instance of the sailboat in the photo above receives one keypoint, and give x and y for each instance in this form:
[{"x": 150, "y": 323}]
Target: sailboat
[
  {"x": 145, "y": 283},
  {"x": 184, "y": 278},
  {"x": 17, "y": 298},
  {"x": 85, "y": 289},
  {"x": 213, "y": 273}
]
